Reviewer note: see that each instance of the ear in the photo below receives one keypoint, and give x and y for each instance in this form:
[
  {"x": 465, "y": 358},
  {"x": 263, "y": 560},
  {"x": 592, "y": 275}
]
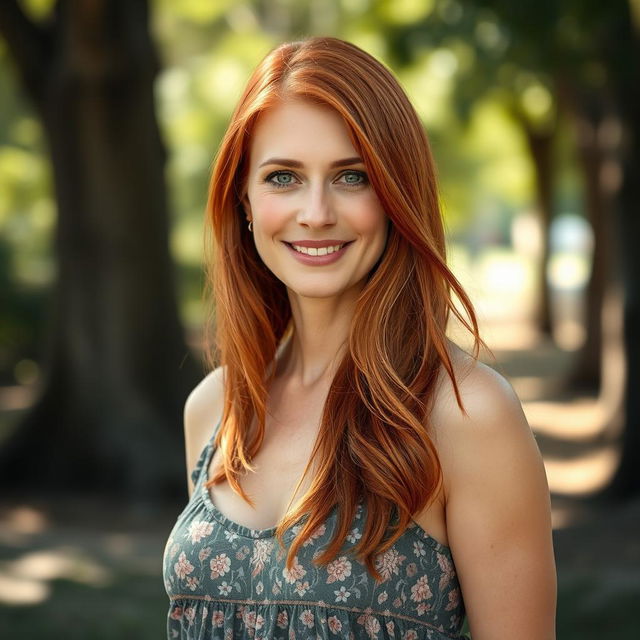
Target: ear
[{"x": 246, "y": 206}]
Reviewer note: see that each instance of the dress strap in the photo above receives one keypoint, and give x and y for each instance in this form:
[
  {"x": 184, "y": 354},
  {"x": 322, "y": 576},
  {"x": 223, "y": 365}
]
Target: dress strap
[{"x": 204, "y": 456}]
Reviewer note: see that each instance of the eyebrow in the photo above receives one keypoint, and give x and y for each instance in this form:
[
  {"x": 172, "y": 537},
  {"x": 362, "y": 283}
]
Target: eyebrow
[{"x": 297, "y": 164}]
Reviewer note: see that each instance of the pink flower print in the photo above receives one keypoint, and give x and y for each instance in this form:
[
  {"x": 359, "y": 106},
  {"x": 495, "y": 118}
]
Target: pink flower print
[
  {"x": 217, "y": 618},
  {"x": 224, "y": 588},
  {"x": 418, "y": 548},
  {"x": 390, "y": 627},
  {"x": 319, "y": 531},
  {"x": 190, "y": 614},
  {"x": 204, "y": 553},
  {"x": 253, "y": 620},
  {"x": 420, "y": 590},
  {"x": 335, "y": 626},
  {"x": 388, "y": 563},
  {"x": 342, "y": 594},
  {"x": 370, "y": 623},
  {"x": 282, "y": 620},
  {"x": 410, "y": 634},
  {"x": 199, "y": 529},
  {"x": 372, "y": 626},
  {"x": 276, "y": 588},
  {"x": 183, "y": 566},
  {"x": 301, "y": 587},
  {"x": 259, "y": 587},
  {"x": 454, "y": 599},
  {"x": 382, "y": 597},
  {"x": 422, "y": 608},
  {"x": 307, "y": 618},
  {"x": 397, "y": 602},
  {"x": 297, "y": 572},
  {"x": 242, "y": 552},
  {"x": 220, "y": 565},
  {"x": 411, "y": 569},
  {"x": 249, "y": 618},
  {"x": 262, "y": 550},
  {"x": 354, "y": 535},
  {"x": 174, "y": 550},
  {"x": 447, "y": 571},
  {"x": 338, "y": 569},
  {"x": 192, "y": 582},
  {"x": 176, "y": 614}
]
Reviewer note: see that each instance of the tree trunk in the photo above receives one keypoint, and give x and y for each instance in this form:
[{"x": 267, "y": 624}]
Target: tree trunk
[
  {"x": 594, "y": 130},
  {"x": 622, "y": 47},
  {"x": 541, "y": 147},
  {"x": 116, "y": 370}
]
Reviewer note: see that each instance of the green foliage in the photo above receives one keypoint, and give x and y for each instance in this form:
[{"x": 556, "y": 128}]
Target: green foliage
[{"x": 464, "y": 67}]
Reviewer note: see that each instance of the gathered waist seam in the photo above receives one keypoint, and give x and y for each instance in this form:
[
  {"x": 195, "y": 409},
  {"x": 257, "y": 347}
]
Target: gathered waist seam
[{"x": 318, "y": 603}]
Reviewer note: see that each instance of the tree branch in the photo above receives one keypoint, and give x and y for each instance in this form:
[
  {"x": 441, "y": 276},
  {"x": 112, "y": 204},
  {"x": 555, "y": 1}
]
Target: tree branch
[{"x": 29, "y": 45}]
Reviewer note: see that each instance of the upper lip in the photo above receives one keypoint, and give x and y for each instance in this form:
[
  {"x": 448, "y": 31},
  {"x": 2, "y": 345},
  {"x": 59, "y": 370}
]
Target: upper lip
[{"x": 318, "y": 243}]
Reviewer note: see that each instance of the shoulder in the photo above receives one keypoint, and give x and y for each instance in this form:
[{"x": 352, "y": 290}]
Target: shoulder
[
  {"x": 498, "y": 511},
  {"x": 205, "y": 400},
  {"x": 202, "y": 411},
  {"x": 491, "y": 418}
]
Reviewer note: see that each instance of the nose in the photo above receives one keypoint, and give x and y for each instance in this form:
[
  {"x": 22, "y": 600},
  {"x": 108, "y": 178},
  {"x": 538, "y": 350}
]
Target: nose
[{"x": 316, "y": 209}]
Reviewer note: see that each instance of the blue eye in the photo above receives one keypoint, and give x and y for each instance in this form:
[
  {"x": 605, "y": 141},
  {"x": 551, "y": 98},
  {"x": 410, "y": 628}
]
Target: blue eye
[
  {"x": 360, "y": 178},
  {"x": 273, "y": 179}
]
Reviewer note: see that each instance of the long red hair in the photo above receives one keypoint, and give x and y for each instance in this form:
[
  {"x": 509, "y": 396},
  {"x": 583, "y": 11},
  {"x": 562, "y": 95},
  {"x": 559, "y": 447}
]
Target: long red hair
[{"x": 373, "y": 444}]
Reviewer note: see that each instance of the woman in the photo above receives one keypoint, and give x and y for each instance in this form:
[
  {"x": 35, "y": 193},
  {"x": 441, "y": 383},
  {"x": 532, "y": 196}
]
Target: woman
[{"x": 353, "y": 472}]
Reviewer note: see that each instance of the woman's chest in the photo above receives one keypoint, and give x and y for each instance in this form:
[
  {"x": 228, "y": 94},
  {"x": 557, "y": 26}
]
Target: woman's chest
[{"x": 279, "y": 466}]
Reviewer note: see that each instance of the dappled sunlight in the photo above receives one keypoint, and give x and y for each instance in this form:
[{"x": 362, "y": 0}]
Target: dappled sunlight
[
  {"x": 26, "y": 579},
  {"x": 21, "y": 521},
  {"x": 580, "y": 420},
  {"x": 69, "y": 563},
  {"x": 584, "y": 475},
  {"x": 21, "y": 591}
]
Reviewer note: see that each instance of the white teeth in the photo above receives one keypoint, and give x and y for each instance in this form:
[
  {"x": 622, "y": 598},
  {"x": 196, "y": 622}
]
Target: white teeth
[{"x": 320, "y": 251}]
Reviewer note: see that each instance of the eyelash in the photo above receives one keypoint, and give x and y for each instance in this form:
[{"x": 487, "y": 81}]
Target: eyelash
[{"x": 272, "y": 175}]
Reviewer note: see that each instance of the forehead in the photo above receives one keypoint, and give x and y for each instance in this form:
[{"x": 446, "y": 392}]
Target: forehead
[{"x": 299, "y": 129}]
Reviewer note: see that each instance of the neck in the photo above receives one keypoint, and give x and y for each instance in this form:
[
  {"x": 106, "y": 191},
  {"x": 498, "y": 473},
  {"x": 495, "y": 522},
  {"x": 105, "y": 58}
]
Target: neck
[{"x": 319, "y": 338}]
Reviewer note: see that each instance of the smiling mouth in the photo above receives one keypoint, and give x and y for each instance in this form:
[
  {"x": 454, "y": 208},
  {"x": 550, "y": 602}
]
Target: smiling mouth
[{"x": 318, "y": 251}]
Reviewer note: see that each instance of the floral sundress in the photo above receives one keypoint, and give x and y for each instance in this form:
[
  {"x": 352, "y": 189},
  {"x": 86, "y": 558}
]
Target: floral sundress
[{"x": 226, "y": 581}]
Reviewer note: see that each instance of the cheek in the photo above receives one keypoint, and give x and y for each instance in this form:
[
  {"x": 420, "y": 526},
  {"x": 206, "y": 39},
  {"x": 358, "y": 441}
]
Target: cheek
[
  {"x": 269, "y": 214},
  {"x": 370, "y": 218}
]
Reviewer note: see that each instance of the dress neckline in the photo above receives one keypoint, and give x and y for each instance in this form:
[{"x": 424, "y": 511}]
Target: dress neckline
[
  {"x": 269, "y": 532},
  {"x": 227, "y": 523}
]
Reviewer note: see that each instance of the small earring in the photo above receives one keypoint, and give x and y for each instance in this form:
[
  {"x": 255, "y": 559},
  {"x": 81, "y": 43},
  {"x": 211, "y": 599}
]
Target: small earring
[{"x": 250, "y": 225}]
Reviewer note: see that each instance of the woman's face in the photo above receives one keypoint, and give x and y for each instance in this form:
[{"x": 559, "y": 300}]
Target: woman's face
[{"x": 308, "y": 193}]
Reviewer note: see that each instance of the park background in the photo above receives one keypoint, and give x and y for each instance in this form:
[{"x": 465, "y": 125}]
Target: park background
[{"x": 110, "y": 116}]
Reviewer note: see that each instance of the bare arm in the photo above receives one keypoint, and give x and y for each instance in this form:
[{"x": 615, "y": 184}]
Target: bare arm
[
  {"x": 202, "y": 410},
  {"x": 498, "y": 514}
]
